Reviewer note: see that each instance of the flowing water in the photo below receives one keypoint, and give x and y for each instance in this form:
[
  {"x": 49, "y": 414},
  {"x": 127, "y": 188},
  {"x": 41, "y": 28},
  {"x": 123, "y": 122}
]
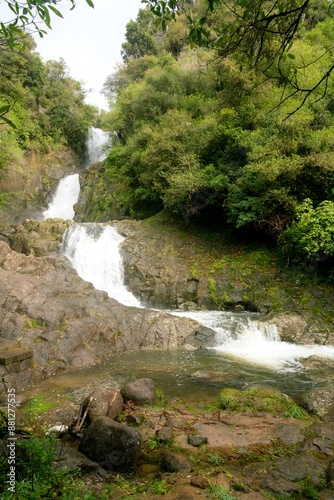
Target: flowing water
[
  {"x": 248, "y": 350},
  {"x": 65, "y": 197},
  {"x": 97, "y": 146}
]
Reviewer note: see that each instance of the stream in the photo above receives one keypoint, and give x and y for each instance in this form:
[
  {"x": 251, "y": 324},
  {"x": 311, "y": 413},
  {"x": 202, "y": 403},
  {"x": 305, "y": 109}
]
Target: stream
[{"x": 248, "y": 351}]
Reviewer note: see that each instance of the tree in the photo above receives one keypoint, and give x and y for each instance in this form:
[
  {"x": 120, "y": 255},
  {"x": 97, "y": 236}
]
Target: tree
[
  {"x": 261, "y": 32},
  {"x": 29, "y": 16},
  {"x": 311, "y": 235}
]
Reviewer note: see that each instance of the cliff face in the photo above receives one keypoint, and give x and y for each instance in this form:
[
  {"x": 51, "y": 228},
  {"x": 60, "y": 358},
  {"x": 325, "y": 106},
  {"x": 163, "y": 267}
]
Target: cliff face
[{"x": 28, "y": 185}]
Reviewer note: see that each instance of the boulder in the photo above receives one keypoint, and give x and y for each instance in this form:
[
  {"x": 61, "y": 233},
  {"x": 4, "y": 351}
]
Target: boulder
[
  {"x": 72, "y": 460},
  {"x": 173, "y": 462},
  {"x": 141, "y": 392},
  {"x": 111, "y": 444},
  {"x": 103, "y": 403}
]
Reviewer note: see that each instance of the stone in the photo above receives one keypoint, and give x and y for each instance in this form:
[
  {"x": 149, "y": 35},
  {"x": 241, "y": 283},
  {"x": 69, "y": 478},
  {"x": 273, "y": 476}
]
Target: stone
[
  {"x": 103, "y": 403},
  {"x": 46, "y": 308},
  {"x": 197, "y": 440},
  {"x": 330, "y": 472},
  {"x": 165, "y": 434},
  {"x": 200, "y": 481},
  {"x": 141, "y": 392},
  {"x": 173, "y": 462},
  {"x": 72, "y": 460},
  {"x": 11, "y": 356},
  {"x": 148, "y": 469},
  {"x": 111, "y": 444}
]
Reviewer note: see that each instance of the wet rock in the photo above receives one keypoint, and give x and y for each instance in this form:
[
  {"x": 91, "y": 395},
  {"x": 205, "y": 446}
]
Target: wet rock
[
  {"x": 111, "y": 444},
  {"x": 291, "y": 327},
  {"x": 38, "y": 238},
  {"x": 103, "y": 403},
  {"x": 173, "y": 462},
  {"x": 212, "y": 377},
  {"x": 316, "y": 468},
  {"x": 46, "y": 308},
  {"x": 141, "y": 392},
  {"x": 289, "y": 434},
  {"x": 330, "y": 472},
  {"x": 280, "y": 486},
  {"x": 321, "y": 400}
]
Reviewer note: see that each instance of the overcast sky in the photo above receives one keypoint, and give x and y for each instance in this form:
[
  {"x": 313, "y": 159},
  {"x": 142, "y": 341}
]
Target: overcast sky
[{"x": 89, "y": 40}]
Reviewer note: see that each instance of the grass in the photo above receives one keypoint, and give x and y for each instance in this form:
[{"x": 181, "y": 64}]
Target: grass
[{"x": 260, "y": 400}]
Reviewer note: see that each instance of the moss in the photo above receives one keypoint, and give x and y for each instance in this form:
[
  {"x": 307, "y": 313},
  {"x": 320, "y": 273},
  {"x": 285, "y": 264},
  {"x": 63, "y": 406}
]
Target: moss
[{"x": 261, "y": 400}]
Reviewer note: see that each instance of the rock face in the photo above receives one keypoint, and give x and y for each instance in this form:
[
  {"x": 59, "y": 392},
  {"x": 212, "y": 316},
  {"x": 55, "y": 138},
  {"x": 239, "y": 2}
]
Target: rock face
[
  {"x": 167, "y": 269},
  {"x": 31, "y": 183},
  {"x": 47, "y": 308},
  {"x": 111, "y": 444}
]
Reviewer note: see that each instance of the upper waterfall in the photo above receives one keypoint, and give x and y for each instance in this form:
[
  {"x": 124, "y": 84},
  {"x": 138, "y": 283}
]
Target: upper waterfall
[
  {"x": 97, "y": 146},
  {"x": 68, "y": 190}
]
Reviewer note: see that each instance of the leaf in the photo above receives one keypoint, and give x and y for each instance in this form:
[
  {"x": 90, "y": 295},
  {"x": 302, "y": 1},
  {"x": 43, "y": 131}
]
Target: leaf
[
  {"x": 56, "y": 11},
  {"x": 9, "y": 122},
  {"x": 291, "y": 56},
  {"x": 90, "y": 3},
  {"x": 4, "y": 109}
]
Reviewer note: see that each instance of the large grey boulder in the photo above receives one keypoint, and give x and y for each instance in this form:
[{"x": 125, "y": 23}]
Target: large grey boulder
[
  {"x": 141, "y": 391},
  {"x": 111, "y": 444}
]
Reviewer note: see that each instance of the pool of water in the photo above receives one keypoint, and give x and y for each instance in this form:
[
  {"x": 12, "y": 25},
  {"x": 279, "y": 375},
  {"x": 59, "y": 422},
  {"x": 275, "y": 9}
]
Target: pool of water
[{"x": 192, "y": 376}]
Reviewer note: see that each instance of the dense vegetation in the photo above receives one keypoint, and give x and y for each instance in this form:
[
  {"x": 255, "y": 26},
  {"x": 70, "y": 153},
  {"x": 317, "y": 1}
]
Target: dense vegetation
[
  {"x": 209, "y": 137},
  {"x": 46, "y": 107}
]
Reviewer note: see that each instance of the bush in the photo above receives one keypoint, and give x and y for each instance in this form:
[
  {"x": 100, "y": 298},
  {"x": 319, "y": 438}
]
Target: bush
[{"x": 311, "y": 235}]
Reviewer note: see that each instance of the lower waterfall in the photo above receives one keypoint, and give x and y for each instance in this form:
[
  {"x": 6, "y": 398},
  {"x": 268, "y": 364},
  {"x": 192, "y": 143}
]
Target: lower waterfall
[{"x": 93, "y": 250}]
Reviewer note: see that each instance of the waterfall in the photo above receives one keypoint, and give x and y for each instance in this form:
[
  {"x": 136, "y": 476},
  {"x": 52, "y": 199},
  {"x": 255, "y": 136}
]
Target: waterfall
[
  {"x": 66, "y": 195},
  {"x": 93, "y": 250},
  {"x": 244, "y": 336},
  {"x": 97, "y": 146},
  {"x": 68, "y": 190}
]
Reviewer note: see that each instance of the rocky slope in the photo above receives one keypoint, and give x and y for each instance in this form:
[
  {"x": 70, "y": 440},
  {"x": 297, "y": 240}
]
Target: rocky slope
[{"x": 52, "y": 320}]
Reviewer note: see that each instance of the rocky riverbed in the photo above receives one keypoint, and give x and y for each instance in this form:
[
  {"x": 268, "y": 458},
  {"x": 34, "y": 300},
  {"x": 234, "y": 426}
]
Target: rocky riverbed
[{"x": 51, "y": 321}]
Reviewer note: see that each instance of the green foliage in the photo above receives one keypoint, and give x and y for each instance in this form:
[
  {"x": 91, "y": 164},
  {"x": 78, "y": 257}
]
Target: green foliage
[
  {"x": 159, "y": 487},
  {"x": 218, "y": 491},
  {"x": 29, "y": 16},
  {"x": 258, "y": 34},
  {"x": 312, "y": 233},
  {"x": 188, "y": 142},
  {"x": 214, "y": 459},
  {"x": 260, "y": 399}
]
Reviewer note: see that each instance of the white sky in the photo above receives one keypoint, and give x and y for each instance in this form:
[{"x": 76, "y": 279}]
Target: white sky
[{"x": 89, "y": 40}]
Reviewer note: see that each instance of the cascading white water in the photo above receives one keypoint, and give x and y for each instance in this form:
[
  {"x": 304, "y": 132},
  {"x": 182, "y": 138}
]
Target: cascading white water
[
  {"x": 68, "y": 190},
  {"x": 243, "y": 336},
  {"x": 97, "y": 146},
  {"x": 65, "y": 197},
  {"x": 93, "y": 250}
]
